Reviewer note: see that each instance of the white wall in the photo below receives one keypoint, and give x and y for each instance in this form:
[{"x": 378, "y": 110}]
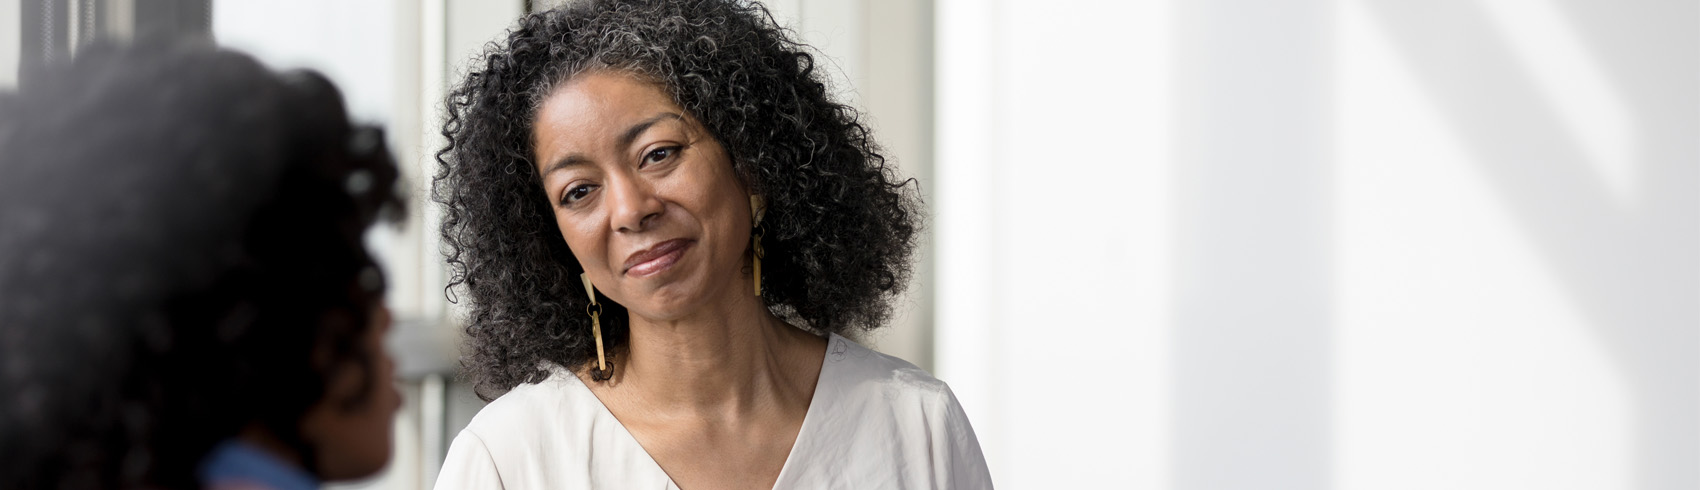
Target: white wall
[
  {"x": 1518, "y": 208},
  {"x": 1357, "y": 244},
  {"x": 1053, "y": 233}
]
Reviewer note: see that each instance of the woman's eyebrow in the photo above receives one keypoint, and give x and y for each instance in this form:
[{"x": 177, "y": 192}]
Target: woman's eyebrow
[
  {"x": 632, "y": 133},
  {"x": 570, "y": 160},
  {"x": 626, "y": 139}
]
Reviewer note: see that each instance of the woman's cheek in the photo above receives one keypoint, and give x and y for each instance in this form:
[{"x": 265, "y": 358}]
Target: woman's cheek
[{"x": 585, "y": 238}]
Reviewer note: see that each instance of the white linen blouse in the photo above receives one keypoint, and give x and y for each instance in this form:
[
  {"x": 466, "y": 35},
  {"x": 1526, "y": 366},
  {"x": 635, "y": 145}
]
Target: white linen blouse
[{"x": 875, "y": 421}]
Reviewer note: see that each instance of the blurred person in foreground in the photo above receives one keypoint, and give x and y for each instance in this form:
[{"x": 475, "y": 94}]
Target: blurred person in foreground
[
  {"x": 185, "y": 299},
  {"x": 664, "y": 221}
]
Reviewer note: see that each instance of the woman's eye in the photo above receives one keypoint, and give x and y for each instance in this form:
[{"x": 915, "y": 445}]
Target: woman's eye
[
  {"x": 574, "y": 194},
  {"x": 659, "y": 155}
]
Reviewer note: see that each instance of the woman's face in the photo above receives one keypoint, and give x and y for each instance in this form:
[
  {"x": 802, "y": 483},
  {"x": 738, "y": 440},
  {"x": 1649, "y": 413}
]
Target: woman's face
[{"x": 645, "y": 197}]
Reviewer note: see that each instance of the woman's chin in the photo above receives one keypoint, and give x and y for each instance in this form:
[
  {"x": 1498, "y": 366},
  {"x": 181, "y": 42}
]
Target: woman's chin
[{"x": 671, "y": 301}]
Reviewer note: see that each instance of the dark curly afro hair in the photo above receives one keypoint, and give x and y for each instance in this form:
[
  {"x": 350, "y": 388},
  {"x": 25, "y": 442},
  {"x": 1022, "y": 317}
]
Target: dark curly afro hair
[
  {"x": 840, "y": 225},
  {"x": 181, "y": 258}
]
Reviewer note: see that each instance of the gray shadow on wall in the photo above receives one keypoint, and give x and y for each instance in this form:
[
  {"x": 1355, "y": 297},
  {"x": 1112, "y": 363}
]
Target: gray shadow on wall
[{"x": 1632, "y": 267}]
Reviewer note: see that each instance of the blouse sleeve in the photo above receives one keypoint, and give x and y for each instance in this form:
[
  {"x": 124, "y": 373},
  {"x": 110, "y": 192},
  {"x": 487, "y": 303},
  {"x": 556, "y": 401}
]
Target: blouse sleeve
[
  {"x": 959, "y": 464},
  {"x": 468, "y": 465}
]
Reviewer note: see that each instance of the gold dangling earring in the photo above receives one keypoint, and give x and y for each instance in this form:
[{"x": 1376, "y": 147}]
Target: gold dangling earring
[
  {"x": 757, "y": 208},
  {"x": 601, "y": 372}
]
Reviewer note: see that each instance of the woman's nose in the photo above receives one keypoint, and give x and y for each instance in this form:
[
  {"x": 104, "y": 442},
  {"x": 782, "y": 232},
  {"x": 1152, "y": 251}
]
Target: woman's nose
[{"x": 633, "y": 203}]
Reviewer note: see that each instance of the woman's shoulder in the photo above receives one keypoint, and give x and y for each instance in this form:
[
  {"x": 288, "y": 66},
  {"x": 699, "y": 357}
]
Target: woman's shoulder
[
  {"x": 857, "y": 373},
  {"x": 558, "y": 407},
  {"x": 888, "y": 423},
  {"x": 544, "y": 435},
  {"x": 527, "y": 397}
]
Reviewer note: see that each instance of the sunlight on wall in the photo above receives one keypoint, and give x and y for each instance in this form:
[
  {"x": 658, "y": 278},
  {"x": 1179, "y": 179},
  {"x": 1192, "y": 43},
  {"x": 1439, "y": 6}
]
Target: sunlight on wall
[
  {"x": 1574, "y": 84},
  {"x": 11, "y": 12},
  {"x": 1460, "y": 364}
]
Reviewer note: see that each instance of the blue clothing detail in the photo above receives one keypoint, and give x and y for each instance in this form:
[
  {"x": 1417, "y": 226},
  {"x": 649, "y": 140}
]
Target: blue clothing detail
[{"x": 234, "y": 461}]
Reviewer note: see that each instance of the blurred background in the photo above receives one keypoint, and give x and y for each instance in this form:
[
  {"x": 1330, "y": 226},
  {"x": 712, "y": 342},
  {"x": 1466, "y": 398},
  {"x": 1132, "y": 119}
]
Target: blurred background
[{"x": 1182, "y": 244}]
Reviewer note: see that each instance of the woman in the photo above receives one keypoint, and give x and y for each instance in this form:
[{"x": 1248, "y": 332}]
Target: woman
[
  {"x": 185, "y": 300},
  {"x": 664, "y": 222}
]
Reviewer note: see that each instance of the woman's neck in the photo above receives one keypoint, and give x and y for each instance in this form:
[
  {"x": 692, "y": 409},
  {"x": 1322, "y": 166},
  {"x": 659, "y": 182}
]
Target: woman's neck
[{"x": 726, "y": 360}]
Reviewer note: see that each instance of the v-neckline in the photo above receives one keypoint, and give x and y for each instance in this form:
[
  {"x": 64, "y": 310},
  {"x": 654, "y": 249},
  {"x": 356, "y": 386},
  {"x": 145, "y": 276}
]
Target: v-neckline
[{"x": 802, "y": 430}]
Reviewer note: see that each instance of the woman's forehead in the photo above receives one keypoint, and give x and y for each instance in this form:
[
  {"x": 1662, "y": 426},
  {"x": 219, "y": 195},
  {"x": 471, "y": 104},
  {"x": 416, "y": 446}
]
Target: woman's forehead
[
  {"x": 601, "y": 99},
  {"x": 593, "y": 111}
]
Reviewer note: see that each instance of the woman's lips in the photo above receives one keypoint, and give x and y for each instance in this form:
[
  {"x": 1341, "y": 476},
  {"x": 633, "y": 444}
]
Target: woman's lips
[{"x": 654, "y": 259}]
